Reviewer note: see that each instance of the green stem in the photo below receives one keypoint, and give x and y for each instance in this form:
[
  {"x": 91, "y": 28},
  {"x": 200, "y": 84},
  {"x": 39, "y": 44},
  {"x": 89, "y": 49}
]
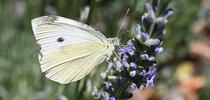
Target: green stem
[
  {"x": 77, "y": 88},
  {"x": 122, "y": 88},
  {"x": 81, "y": 93},
  {"x": 92, "y": 7},
  {"x": 151, "y": 28}
]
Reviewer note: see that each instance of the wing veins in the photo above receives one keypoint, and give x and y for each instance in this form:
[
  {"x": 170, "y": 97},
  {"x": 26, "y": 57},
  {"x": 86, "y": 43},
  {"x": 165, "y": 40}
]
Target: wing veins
[{"x": 65, "y": 62}]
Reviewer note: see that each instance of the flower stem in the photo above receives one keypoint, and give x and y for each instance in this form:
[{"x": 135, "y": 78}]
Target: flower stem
[
  {"x": 77, "y": 88},
  {"x": 151, "y": 28},
  {"x": 122, "y": 88},
  {"x": 92, "y": 7}
]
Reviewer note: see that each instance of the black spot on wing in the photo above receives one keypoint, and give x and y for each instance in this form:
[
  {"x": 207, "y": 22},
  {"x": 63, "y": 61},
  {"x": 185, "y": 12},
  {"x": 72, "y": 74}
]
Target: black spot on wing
[{"x": 60, "y": 39}]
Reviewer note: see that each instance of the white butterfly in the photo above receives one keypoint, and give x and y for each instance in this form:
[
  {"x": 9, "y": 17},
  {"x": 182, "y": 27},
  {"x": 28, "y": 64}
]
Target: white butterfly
[{"x": 69, "y": 49}]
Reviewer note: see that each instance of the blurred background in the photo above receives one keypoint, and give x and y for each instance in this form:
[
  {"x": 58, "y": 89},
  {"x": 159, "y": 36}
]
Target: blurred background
[{"x": 184, "y": 67}]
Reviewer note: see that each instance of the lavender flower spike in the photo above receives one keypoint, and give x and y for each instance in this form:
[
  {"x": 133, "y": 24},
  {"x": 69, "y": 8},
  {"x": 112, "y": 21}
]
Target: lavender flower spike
[{"x": 137, "y": 56}]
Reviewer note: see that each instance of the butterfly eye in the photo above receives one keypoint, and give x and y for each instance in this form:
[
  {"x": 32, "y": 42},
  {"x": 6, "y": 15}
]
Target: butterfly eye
[{"x": 60, "y": 39}]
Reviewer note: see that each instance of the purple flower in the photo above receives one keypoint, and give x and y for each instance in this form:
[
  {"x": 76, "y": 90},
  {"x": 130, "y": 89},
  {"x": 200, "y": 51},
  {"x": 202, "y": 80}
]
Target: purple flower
[
  {"x": 150, "y": 10},
  {"x": 144, "y": 56},
  {"x": 105, "y": 95},
  {"x": 152, "y": 42},
  {"x": 133, "y": 86},
  {"x": 125, "y": 64},
  {"x": 141, "y": 87},
  {"x": 132, "y": 73},
  {"x": 151, "y": 58},
  {"x": 152, "y": 71},
  {"x": 133, "y": 65},
  {"x": 124, "y": 50},
  {"x": 141, "y": 35},
  {"x": 124, "y": 57},
  {"x": 161, "y": 20},
  {"x": 168, "y": 13},
  {"x": 107, "y": 85},
  {"x": 145, "y": 36},
  {"x": 143, "y": 73},
  {"x": 150, "y": 83},
  {"x": 112, "y": 98},
  {"x": 161, "y": 32},
  {"x": 159, "y": 50},
  {"x": 150, "y": 76},
  {"x": 121, "y": 51},
  {"x": 130, "y": 47}
]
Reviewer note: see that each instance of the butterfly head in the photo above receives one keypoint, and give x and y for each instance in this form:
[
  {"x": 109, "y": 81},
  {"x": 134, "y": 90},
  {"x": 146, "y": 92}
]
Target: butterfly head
[{"x": 111, "y": 47}]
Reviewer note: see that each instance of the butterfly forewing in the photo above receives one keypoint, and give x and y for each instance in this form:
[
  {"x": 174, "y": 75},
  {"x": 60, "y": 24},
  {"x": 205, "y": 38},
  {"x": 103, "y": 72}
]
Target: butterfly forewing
[{"x": 69, "y": 49}]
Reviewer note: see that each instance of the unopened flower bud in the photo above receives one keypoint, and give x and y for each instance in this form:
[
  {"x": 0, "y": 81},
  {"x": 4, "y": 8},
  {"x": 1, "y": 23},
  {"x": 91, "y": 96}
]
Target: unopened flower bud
[
  {"x": 132, "y": 73},
  {"x": 152, "y": 42}
]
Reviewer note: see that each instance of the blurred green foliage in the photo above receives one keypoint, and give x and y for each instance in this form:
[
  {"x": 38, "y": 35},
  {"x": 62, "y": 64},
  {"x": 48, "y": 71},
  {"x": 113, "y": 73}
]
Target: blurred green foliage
[{"x": 20, "y": 75}]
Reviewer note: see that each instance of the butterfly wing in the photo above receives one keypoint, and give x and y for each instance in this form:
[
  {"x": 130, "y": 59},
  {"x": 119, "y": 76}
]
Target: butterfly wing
[
  {"x": 69, "y": 49},
  {"x": 78, "y": 61},
  {"x": 49, "y": 29}
]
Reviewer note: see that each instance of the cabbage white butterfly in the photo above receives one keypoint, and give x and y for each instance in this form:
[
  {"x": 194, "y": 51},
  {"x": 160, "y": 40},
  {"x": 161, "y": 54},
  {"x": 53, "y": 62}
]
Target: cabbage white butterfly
[{"x": 69, "y": 49}]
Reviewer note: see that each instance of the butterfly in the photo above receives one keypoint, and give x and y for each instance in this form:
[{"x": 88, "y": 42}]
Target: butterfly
[{"x": 70, "y": 50}]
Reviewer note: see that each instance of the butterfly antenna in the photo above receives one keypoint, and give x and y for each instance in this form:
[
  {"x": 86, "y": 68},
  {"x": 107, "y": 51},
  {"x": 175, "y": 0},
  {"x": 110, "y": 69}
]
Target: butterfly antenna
[
  {"x": 126, "y": 14},
  {"x": 121, "y": 44}
]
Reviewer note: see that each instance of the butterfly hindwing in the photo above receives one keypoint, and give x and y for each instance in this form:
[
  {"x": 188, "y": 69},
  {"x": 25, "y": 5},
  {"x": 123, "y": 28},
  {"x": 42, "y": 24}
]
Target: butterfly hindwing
[
  {"x": 79, "y": 69},
  {"x": 72, "y": 62}
]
